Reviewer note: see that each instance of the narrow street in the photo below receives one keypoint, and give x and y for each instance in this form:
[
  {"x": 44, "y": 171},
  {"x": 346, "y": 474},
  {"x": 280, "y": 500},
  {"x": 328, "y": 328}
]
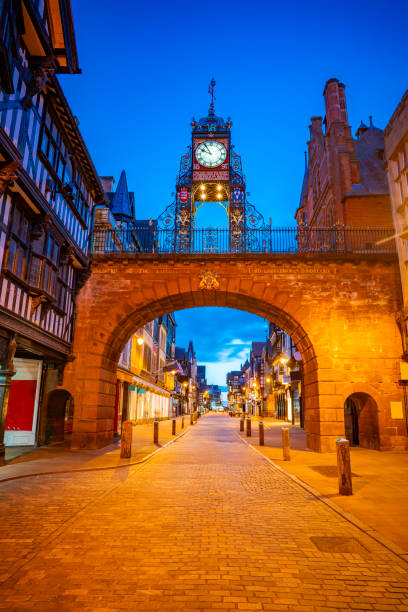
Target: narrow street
[{"x": 205, "y": 524}]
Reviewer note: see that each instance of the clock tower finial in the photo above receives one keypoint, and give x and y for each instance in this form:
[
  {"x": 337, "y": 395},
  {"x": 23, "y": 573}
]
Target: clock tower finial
[{"x": 211, "y": 92}]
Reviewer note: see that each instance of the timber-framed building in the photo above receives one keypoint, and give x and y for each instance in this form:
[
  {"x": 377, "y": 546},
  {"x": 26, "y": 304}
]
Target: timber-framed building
[{"x": 48, "y": 187}]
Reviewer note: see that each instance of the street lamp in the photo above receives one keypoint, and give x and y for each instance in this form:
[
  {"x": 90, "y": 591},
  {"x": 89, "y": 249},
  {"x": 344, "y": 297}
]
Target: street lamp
[{"x": 140, "y": 340}]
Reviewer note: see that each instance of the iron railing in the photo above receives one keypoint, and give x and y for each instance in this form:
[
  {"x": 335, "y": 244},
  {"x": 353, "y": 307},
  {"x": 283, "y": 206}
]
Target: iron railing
[{"x": 265, "y": 240}]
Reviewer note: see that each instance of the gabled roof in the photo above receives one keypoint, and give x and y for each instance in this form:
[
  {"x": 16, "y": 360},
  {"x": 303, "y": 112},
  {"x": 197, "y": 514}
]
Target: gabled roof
[
  {"x": 373, "y": 177},
  {"x": 121, "y": 205},
  {"x": 179, "y": 353},
  {"x": 257, "y": 348}
]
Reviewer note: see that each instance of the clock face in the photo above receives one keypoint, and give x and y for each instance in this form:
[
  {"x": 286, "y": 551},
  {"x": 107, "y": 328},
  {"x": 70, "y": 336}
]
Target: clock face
[{"x": 211, "y": 153}]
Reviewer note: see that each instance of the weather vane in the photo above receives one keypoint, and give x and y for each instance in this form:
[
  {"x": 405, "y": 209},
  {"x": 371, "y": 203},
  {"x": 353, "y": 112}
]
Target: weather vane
[{"x": 211, "y": 92}]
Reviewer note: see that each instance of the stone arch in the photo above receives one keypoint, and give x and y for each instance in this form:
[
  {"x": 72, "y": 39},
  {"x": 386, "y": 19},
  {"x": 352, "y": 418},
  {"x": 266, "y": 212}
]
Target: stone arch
[
  {"x": 60, "y": 411},
  {"x": 322, "y": 304}
]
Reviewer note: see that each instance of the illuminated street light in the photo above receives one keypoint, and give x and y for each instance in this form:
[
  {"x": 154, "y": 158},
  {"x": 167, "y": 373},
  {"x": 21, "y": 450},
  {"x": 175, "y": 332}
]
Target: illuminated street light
[
  {"x": 283, "y": 360},
  {"x": 202, "y": 187},
  {"x": 268, "y": 380},
  {"x": 140, "y": 340},
  {"x": 219, "y": 187}
]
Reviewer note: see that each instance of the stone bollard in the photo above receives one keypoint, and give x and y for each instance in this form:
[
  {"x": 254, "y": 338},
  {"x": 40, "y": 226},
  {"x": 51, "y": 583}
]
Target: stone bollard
[
  {"x": 261, "y": 434},
  {"x": 126, "y": 440},
  {"x": 248, "y": 427},
  {"x": 173, "y": 427},
  {"x": 191, "y": 419},
  {"x": 241, "y": 424},
  {"x": 344, "y": 467},
  {"x": 285, "y": 443},
  {"x": 182, "y": 422},
  {"x": 156, "y": 431}
]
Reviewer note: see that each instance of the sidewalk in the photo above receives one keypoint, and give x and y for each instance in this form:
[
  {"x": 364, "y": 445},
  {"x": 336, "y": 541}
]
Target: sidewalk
[
  {"x": 380, "y": 492},
  {"x": 55, "y": 459}
]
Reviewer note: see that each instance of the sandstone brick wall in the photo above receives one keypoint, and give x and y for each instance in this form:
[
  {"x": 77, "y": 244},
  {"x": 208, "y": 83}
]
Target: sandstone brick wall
[{"x": 340, "y": 312}]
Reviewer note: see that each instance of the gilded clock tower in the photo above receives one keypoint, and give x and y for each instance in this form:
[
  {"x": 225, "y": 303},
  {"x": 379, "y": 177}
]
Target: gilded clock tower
[{"x": 210, "y": 171}]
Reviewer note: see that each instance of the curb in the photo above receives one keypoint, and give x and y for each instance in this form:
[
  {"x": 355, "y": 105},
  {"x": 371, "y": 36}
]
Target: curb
[
  {"x": 97, "y": 469},
  {"x": 369, "y": 531}
]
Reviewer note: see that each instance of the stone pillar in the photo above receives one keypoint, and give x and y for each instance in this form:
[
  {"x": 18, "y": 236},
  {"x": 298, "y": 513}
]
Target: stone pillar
[
  {"x": 5, "y": 384},
  {"x": 8, "y": 350}
]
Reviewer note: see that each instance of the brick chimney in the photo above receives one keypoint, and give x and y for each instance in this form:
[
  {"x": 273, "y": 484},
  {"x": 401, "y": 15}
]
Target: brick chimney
[
  {"x": 107, "y": 183},
  {"x": 316, "y": 126},
  {"x": 335, "y": 100}
]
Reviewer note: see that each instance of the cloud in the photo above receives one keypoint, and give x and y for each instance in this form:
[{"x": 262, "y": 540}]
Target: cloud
[{"x": 222, "y": 337}]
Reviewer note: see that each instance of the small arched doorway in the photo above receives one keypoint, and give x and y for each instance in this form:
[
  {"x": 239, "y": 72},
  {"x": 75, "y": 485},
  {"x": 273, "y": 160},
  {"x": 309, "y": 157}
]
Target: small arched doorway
[
  {"x": 361, "y": 421},
  {"x": 351, "y": 421},
  {"x": 60, "y": 416}
]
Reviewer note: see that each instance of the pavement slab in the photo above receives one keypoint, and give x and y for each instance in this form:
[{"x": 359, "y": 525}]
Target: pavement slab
[{"x": 205, "y": 524}]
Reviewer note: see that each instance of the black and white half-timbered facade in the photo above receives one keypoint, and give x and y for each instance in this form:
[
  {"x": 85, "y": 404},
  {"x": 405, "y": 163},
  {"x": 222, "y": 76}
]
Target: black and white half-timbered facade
[{"x": 48, "y": 187}]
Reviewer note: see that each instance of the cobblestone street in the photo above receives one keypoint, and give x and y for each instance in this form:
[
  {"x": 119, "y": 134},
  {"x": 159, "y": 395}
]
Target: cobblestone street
[{"x": 205, "y": 524}]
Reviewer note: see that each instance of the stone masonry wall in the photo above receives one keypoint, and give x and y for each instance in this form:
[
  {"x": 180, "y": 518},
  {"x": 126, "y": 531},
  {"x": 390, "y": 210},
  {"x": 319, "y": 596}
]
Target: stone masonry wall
[{"x": 340, "y": 313}]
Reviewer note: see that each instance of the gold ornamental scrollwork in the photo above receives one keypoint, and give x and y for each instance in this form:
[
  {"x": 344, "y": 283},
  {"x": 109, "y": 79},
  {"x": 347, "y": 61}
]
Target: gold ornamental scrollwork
[{"x": 209, "y": 280}]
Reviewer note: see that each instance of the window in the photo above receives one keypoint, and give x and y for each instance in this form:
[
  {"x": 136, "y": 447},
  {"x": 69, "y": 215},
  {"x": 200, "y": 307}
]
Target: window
[
  {"x": 44, "y": 266},
  {"x": 147, "y": 358},
  {"x": 63, "y": 289},
  {"x": 17, "y": 254},
  {"x": 58, "y": 157}
]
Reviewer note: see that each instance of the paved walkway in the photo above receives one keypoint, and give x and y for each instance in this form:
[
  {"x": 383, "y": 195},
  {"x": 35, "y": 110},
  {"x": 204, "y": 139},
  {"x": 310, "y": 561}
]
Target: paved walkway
[
  {"x": 380, "y": 492},
  {"x": 59, "y": 458},
  {"x": 206, "y": 524}
]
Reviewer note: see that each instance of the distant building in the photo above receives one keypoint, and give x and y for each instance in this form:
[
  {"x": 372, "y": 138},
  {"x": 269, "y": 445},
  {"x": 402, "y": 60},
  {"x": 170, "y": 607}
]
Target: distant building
[
  {"x": 202, "y": 386},
  {"x": 188, "y": 362},
  {"x": 146, "y": 378},
  {"x": 345, "y": 183},
  {"x": 214, "y": 396},
  {"x": 235, "y": 382},
  {"x": 282, "y": 391},
  {"x": 255, "y": 380}
]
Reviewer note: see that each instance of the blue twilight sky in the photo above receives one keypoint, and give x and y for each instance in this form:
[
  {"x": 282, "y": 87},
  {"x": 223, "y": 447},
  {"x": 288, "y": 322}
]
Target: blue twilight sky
[{"x": 145, "y": 72}]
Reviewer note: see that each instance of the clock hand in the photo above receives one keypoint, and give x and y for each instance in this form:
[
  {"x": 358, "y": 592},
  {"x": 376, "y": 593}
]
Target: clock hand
[{"x": 208, "y": 149}]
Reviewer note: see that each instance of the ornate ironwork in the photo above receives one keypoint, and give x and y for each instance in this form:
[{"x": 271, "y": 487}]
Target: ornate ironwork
[
  {"x": 179, "y": 217},
  {"x": 151, "y": 239}
]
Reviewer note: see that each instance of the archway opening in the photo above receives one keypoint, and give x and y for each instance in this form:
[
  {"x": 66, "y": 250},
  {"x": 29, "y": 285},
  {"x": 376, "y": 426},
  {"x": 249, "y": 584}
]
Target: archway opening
[
  {"x": 60, "y": 416},
  {"x": 361, "y": 421},
  {"x": 220, "y": 358},
  {"x": 110, "y": 335}
]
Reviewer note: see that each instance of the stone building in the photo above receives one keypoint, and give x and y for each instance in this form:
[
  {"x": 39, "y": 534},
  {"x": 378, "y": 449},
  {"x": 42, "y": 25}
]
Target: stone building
[
  {"x": 48, "y": 187},
  {"x": 396, "y": 154},
  {"x": 345, "y": 183},
  {"x": 146, "y": 374}
]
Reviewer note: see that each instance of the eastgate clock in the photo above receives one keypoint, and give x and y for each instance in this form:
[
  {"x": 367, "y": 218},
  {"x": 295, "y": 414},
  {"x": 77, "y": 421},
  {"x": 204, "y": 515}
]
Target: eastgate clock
[{"x": 211, "y": 153}]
